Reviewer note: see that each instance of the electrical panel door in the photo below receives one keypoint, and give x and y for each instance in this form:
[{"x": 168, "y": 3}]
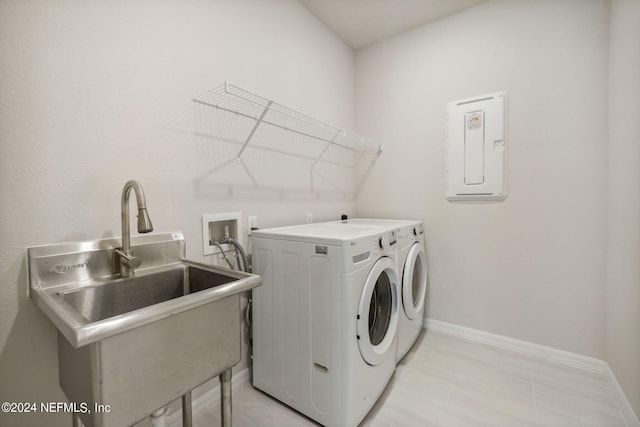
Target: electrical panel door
[{"x": 476, "y": 144}]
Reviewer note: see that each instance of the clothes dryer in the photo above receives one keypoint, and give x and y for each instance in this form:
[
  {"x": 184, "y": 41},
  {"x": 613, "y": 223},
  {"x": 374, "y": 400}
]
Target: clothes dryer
[
  {"x": 325, "y": 318},
  {"x": 412, "y": 266}
]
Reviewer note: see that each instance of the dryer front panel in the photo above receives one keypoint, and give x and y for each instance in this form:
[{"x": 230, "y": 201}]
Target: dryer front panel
[{"x": 377, "y": 317}]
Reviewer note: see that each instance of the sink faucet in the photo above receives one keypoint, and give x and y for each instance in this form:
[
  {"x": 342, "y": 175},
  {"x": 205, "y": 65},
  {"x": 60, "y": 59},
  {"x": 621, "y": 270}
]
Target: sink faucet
[{"x": 128, "y": 262}]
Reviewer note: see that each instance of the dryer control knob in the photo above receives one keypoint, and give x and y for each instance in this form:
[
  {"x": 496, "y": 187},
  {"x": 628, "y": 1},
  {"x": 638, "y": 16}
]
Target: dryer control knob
[{"x": 381, "y": 242}]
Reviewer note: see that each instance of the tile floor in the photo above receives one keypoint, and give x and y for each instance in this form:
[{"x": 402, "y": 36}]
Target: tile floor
[{"x": 448, "y": 381}]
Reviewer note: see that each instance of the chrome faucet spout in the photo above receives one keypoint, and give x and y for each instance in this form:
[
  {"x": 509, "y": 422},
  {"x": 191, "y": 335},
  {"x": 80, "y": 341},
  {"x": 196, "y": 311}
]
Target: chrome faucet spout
[{"x": 127, "y": 261}]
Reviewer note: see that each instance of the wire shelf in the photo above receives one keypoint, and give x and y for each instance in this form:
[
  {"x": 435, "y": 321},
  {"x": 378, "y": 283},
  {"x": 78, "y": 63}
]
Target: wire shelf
[
  {"x": 240, "y": 101},
  {"x": 264, "y": 124}
]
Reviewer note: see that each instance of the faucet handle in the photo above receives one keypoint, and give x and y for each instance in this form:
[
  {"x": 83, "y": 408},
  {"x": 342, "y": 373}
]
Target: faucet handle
[{"x": 128, "y": 260}]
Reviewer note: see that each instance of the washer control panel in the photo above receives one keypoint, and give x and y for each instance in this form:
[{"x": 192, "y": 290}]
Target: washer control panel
[
  {"x": 363, "y": 249},
  {"x": 385, "y": 242}
]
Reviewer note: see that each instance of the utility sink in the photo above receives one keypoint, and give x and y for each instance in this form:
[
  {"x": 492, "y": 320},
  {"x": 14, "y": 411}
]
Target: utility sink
[
  {"x": 135, "y": 344},
  {"x": 99, "y": 301}
]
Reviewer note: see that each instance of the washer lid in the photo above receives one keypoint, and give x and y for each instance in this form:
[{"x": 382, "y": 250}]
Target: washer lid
[
  {"x": 377, "y": 318},
  {"x": 414, "y": 281},
  {"x": 327, "y": 233}
]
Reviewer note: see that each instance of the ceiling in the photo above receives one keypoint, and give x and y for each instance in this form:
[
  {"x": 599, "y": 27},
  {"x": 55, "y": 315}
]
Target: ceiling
[{"x": 360, "y": 23}]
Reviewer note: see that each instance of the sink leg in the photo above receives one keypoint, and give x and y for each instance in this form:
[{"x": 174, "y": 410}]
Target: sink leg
[
  {"x": 186, "y": 410},
  {"x": 225, "y": 398},
  {"x": 77, "y": 422}
]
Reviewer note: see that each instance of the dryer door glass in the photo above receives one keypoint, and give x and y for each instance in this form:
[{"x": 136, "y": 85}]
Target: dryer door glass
[
  {"x": 417, "y": 283},
  {"x": 380, "y": 308},
  {"x": 414, "y": 281}
]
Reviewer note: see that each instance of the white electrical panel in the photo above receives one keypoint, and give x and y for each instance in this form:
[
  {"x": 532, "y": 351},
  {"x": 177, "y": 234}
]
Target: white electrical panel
[{"x": 476, "y": 144}]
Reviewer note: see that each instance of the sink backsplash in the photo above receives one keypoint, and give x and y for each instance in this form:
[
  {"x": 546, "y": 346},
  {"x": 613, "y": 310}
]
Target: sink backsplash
[{"x": 62, "y": 263}]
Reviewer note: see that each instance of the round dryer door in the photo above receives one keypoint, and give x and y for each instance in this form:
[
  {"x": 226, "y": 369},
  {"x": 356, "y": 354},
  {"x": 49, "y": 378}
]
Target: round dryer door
[
  {"x": 414, "y": 281},
  {"x": 377, "y": 319}
]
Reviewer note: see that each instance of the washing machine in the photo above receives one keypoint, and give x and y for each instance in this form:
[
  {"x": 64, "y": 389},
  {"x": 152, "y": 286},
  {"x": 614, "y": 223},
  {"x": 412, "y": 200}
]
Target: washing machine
[
  {"x": 412, "y": 268},
  {"x": 325, "y": 318}
]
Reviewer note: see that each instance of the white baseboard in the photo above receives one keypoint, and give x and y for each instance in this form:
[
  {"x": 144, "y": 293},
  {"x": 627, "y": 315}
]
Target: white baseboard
[
  {"x": 518, "y": 346},
  {"x": 208, "y": 399},
  {"x": 621, "y": 399},
  {"x": 548, "y": 353}
]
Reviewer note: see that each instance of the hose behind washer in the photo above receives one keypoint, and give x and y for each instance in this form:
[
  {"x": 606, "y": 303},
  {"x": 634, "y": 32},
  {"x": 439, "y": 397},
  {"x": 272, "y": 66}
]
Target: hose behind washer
[
  {"x": 245, "y": 261},
  {"x": 246, "y": 268}
]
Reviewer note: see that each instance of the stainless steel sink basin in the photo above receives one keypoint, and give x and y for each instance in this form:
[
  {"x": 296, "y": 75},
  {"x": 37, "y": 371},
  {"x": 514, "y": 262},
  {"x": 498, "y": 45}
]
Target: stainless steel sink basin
[
  {"x": 102, "y": 301},
  {"x": 137, "y": 343},
  {"x": 78, "y": 287}
]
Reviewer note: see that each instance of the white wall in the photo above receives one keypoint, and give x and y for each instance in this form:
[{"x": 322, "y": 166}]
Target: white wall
[
  {"x": 623, "y": 268},
  {"x": 531, "y": 267},
  {"x": 93, "y": 94}
]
